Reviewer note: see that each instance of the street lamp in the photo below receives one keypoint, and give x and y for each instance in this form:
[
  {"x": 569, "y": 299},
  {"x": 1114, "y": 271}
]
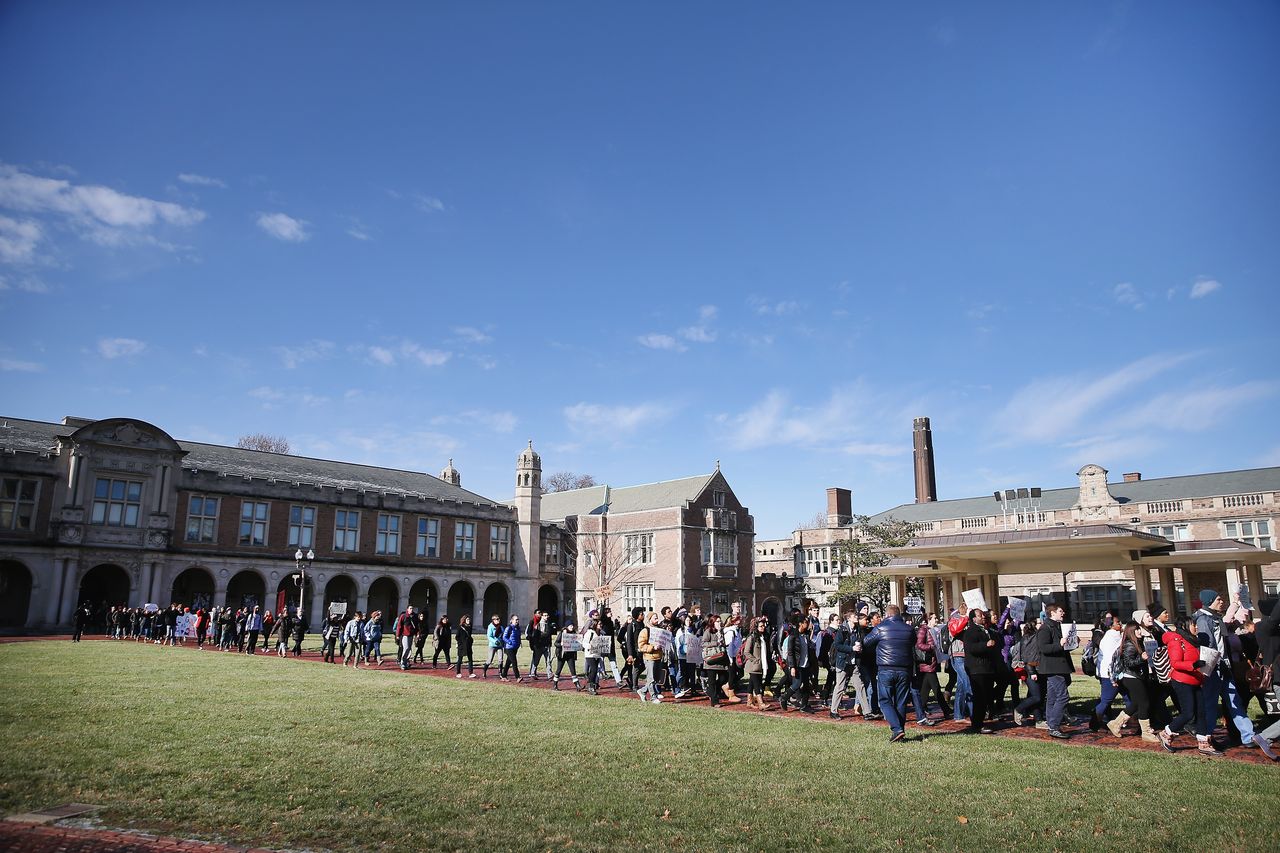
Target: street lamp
[{"x": 303, "y": 562}]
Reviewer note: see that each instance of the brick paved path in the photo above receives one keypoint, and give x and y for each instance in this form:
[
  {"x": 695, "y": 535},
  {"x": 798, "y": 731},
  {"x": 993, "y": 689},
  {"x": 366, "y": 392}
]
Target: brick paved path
[{"x": 33, "y": 838}]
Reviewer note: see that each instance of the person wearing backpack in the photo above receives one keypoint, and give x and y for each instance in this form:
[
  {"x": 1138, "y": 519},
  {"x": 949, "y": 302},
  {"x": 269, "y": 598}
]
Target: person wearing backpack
[
  {"x": 1105, "y": 648},
  {"x": 493, "y": 636},
  {"x": 510, "y": 648},
  {"x": 926, "y": 681},
  {"x": 405, "y": 627},
  {"x": 1055, "y": 668},
  {"x": 962, "y": 695},
  {"x": 1024, "y": 658}
]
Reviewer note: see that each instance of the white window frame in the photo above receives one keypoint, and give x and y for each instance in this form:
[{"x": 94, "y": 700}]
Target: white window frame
[
  {"x": 637, "y": 595},
  {"x": 464, "y": 540},
  {"x": 206, "y": 530},
  {"x": 428, "y": 544},
  {"x": 499, "y": 543},
  {"x": 12, "y": 503},
  {"x": 346, "y": 530},
  {"x": 302, "y": 533},
  {"x": 130, "y": 508},
  {"x": 388, "y": 531},
  {"x": 1254, "y": 537},
  {"x": 258, "y": 521},
  {"x": 638, "y": 549},
  {"x": 1176, "y": 532}
]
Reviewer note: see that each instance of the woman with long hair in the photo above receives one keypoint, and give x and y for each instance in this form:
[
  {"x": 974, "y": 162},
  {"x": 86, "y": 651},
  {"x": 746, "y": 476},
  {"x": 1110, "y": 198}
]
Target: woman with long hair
[
  {"x": 594, "y": 645},
  {"x": 1187, "y": 680},
  {"x": 755, "y": 650},
  {"x": 567, "y": 656},
  {"x": 444, "y": 641},
  {"x": 1129, "y": 671},
  {"x": 465, "y": 640},
  {"x": 715, "y": 661}
]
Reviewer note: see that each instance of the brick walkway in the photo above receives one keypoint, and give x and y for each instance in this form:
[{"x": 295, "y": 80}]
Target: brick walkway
[
  {"x": 34, "y": 838},
  {"x": 1004, "y": 727}
]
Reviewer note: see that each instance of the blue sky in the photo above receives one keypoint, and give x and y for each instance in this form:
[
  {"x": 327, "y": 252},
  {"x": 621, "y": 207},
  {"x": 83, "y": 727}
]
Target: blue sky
[{"x": 653, "y": 236}]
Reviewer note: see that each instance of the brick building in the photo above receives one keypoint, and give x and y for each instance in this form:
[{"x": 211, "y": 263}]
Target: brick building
[
  {"x": 685, "y": 541},
  {"x": 118, "y": 512}
]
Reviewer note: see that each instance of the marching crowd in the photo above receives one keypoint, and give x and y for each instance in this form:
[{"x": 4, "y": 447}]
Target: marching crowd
[{"x": 1175, "y": 676}]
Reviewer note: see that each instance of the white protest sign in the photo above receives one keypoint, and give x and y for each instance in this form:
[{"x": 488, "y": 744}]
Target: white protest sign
[
  {"x": 150, "y": 607},
  {"x": 693, "y": 649},
  {"x": 1071, "y": 641},
  {"x": 661, "y": 638},
  {"x": 974, "y": 599},
  {"x": 337, "y": 608},
  {"x": 570, "y": 642},
  {"x": 914, "y": 604},
  {"x": 1017, "y": 609}
]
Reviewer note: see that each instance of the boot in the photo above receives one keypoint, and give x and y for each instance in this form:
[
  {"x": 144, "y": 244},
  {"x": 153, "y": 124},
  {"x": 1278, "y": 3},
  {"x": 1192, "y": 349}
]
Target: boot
[
  {"x": 1114, "y": 725},
  {"x": 1095, "y": 722},
  {"x": 1147, "y": 734},
  {"x": 730, "y": 696},
  {"x": 1166, "y": 739},
  {"x": 761, "y": 705}
]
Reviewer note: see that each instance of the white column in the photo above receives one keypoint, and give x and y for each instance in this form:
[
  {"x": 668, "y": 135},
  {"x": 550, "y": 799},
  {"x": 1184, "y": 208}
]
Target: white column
[
  {"x": 991, "y": 590},
  {"x": 930, "y": 594},
  {"x": 1142, "y": 586},
  {"x": 896, "y": 587},
  {"x": 956, "y": 601},
  {"x": 57, "y": 581},
  {"x": 1253, "y": 575},
  {"x": 317, "y": 614},
  {"x": 1168, "y": 589},
  {"x": 70, "y": 590},
  {"x": 1235, "y": 577}
]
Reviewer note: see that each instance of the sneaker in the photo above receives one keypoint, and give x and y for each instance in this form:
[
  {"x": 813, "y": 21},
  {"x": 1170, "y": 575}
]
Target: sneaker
[
  {"x": 472, "y": 675},
  {"x": 835, "y": 715},
  {"x": 1264, "y": 746},
  {"x": 986, "y": 731},
  {"x": 926, "y": 722},
  {"x": 657, "y": 700},
  {"x": 679, "y": 694},
  {"x": 898, "y": 737},
  {"x": 1210, "y": 750},
  {"x": 1060, "y": 735},
  {"x": 1043, "y": 725},
  {"x": 873, "y": 716},
  {"x": 1165, "y": 740},
  {"x": 640, "y": 693},
  {"x": 1017, "y": 718},
  {"x": 459, "y": 675}
]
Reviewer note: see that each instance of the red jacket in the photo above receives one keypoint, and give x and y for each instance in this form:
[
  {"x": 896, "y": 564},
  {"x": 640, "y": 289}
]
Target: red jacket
[{"x": 1182, "y": 659}]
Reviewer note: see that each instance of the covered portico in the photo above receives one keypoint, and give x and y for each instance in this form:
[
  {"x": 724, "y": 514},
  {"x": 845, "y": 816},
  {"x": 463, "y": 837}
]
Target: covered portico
[{"x": 953, "y": 563}]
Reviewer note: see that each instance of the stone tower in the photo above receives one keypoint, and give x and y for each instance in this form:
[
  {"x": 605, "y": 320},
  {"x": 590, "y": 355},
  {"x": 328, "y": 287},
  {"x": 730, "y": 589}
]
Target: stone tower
[
  {"x": 528, "y": 502},
  {"x": 1095, "y": 502},
  {"x": 450, "y": 475}
]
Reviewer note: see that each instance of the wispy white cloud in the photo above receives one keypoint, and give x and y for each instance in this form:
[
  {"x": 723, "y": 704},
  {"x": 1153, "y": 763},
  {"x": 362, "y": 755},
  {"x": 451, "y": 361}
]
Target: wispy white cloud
[
  {"x": 861, "y": 448},
  {"x": 655, "y": 340},
  {"x": 418, "y": 450},
  {"x": 406, "y": 351},
  {"x": 25, "y": 283},
  {"x": 202, "y": 180},
  {"x": 499, "y": 422},
  {"x": 838, "y": 423},
  {"x": 295, "y": 356},
  {"x": 282, "y": 226},
  {"x": 382, "y": 355},
  {"x": 1126, "y": 294},
  {"x": 88, "y": 203},
  {"x": 1204, "y": 286},
  {"x": 1194, "y": 409},
  {"x": 472, "y": 335},
  {"x": 272, "y": 398},
  {"x": 605, "y": 420},
  {"x": 359, "y": 231},
  {"x": 16, "y": 366},
  {"x": 120, "y": 347},
  {"x": 769, "y": 308},
  {"x": 18, "y": 240},
  {"x": 427, "y": 203},
  {"x": 423, "y": 355}
]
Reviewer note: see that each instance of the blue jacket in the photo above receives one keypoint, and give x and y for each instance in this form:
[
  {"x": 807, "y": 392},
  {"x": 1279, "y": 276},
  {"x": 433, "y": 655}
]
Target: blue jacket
[
  {"x": 511, "y": 637},
  {"x": 495, "y": 636},
  {"x": 894, "y": 643}
]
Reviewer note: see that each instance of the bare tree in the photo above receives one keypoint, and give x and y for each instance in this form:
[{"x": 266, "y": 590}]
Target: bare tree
[
  {"x": 606, "y": 566},
  {"x": 264, "y": 442},
  {"x": 817, "y": 522},
  {"x": 563, "y": 481}
]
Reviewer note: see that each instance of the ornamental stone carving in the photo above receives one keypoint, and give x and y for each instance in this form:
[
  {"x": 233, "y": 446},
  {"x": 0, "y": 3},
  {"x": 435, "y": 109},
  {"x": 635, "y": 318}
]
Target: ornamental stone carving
[{"x": 70, "y": 534}]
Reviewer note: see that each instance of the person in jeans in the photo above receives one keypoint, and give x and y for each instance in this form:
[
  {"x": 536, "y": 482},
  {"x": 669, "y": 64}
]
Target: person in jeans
[
  {"x": 253, "y": 625},
  {"x": 353, "y": 639},
  {"x": 926, "y": 678},
  {"x": 962, "y": 695},
  {"x": 843, "y": 661},
  {"x": 593, "y": 643},
  {"x": 493, "y": 636},
  {"x": 1219, "y": 683},
  {"x": 1055, "y": 668},
  {"x": 373, "y": 638},
  {"x": 510, "y": 648},
  {"x": 1106, "y": 639},
  {"x": 405, "y": 628},
  {"x": 893, "y": 644}
]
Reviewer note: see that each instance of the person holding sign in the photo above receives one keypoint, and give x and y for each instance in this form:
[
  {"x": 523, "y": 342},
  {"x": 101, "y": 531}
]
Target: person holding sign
[
  {"x": 567, "y": 645},
  {"x": 594, "y": 647},
  {"x": 651, "y": 654}
]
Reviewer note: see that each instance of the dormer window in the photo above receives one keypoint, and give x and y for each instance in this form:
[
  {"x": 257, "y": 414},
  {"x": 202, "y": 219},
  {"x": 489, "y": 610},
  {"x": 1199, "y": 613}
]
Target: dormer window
[{"x": 718, "y": 498}]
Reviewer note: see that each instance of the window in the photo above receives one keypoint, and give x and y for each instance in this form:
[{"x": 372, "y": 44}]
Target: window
[
  {"x": 302, "y": 526},
  {"x": 718, "y": 498},
  {"x": 202, "y": 518},
  {"x": 1174, "y": 532},
  {"x": 117, "y": 503},
  {"x": 428, "y": 537},
  {"x": 500, "y": 543},
  {"x": 637, "y": 595},
  {"x": 464, "y": 540},
  {"x": 346, "y": 530},
  {"x": 388, "y": 534},
  {"x": 18, "y": 503},
  {"x": 552, "y": 551},
  {"x": 639, "y": 549},
  {"x": 720, "y": 602},
  {"x": 253, "y": 522},
  {"x": 722, "y": 546},
  {"x": 1256, "y": 532}
]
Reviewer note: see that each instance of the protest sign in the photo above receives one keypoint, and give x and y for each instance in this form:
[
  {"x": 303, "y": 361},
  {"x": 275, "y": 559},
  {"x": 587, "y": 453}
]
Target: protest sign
[
  {"x": 1017, "y": 609},
  {"x": 693, "y": 649},
  {"x": 338, "y": 608},
  {"x": 914, "y": 604},
  {"x": 974, "y": 599},
  {"x": 661, "y": 638},
  {"x": 570, "y": 642}
]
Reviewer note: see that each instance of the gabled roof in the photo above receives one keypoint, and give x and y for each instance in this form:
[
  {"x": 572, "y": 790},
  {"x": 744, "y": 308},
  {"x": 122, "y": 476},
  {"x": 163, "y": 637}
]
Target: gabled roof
[
  {"x": 1247, "y": 481},
  {"x": 39, "y": 436},
  {"x": 591, "y": 500}
]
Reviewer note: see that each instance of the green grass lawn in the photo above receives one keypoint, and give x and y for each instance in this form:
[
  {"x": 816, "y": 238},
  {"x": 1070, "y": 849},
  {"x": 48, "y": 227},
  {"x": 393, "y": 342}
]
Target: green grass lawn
[{"x": 295, "y": 754}]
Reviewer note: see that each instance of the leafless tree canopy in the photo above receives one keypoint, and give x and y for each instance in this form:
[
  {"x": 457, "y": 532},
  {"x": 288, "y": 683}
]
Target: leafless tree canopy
[
  {"x": 817, "y": 522},
  {"x": 262, "y": 441},
  {"x": 562, "y": 481}
]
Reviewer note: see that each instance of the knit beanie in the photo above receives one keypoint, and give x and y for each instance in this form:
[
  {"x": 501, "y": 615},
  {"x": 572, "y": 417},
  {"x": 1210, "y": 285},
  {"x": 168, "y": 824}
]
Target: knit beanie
[
  {"x": 1207, "y": 596},
  {"x": 1139, "y": 615},
  {"x": 1156, "y": 609}
]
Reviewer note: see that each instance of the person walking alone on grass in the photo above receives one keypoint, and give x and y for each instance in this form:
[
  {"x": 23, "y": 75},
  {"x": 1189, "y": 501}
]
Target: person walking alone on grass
[
  {"x": 444, "y": 642},
  {"x": 510, "y": 648},
  {"x": 1055, "y": 668},
  {"x": 893, "y": 644},
  {"x": 405, "y": 628},
  {"x": 493, "y": 635},
  {"x": 465, "y": 640}
]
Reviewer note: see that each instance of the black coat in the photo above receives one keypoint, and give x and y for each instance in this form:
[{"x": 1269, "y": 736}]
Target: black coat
[
  {"x": 978, "y": 658},
  {"x": 1054, "y": 659},
  {"x": 463, "y": 635}
]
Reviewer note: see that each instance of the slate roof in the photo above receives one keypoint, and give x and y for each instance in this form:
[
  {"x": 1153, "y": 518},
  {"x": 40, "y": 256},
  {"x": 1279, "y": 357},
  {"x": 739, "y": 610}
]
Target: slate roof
[
  {"x": 557, "y": 506},
  {"x": 39, "y": 437},
  {"x": 1247, "y": 481}
]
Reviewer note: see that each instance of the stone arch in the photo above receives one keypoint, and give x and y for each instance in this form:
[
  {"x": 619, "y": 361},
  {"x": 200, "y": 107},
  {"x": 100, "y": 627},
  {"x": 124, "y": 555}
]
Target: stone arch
[
  {"x": 341, "y": 588},
  {"x": 462, "y": 601},
  {"x": 425, "y": 596},
  {"x": 15, "y": 594},
  {"x": 106, "y": 585},
  {"x": 384, "y": 595},
  {"x": 772, "y": 609},
  {"x": 549, "y": 601},
  {"x": 289, "y": 596},
  {"x": 193, "y": 588},
  {"x": 247, "y": 588},
  {"x": 497, "y": 599}
]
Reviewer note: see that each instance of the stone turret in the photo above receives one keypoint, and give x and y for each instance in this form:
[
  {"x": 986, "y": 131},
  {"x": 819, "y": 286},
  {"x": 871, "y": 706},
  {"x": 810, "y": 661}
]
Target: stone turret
[
  {"x": 528, "y": 503},
  {"x": 450, "y": 475}
]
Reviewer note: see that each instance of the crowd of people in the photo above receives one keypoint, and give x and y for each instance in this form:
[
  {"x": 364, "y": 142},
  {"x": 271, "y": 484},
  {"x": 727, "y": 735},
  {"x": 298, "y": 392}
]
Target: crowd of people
[{"x": 1175, "y": 676}]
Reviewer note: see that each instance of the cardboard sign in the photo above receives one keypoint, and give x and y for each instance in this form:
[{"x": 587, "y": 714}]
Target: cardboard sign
[
  {"x": 151, "y": 608},
  {"x": 570, "y": 642},
  {"x": 693, "y": 649},
  {"x": 974, "y": 599},
  {"x": 1017, "y": 609},
  {"x": 1242, "y": 593},
  {"x": 661, "y": 638},
  {"x": 1071, "y": 641},
  {"x": 914, "y": 604},
  {"x": 337, "y": 608}
]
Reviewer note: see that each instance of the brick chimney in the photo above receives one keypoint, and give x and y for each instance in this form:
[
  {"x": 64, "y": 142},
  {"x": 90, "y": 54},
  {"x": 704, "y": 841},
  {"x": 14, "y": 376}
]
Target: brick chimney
[
  {"x": 1132, "y": 477},
  {"x": 926, "y": 479},
  {"x": 839, "y": 507}
]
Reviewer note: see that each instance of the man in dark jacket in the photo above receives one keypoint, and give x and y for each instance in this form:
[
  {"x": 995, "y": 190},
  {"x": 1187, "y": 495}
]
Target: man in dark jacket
[
  {"x": 892, "y": 642},
  {"x": 981, "y": 656},
  {"x": 1055, "y": 668},
  {"x": 631, "y": 644}
]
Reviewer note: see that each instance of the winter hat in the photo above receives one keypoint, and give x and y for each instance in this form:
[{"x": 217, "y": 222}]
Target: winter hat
[
  {"x": 1156, "y": 609},
  {"x": 1139, "y": 615},
  {"x": 1207, "y": 596}
]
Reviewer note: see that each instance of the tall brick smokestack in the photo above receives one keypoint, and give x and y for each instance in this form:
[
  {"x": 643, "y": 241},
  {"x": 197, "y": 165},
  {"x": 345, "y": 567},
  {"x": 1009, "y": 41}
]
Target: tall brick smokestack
[{"x": 926, "y": 479}]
